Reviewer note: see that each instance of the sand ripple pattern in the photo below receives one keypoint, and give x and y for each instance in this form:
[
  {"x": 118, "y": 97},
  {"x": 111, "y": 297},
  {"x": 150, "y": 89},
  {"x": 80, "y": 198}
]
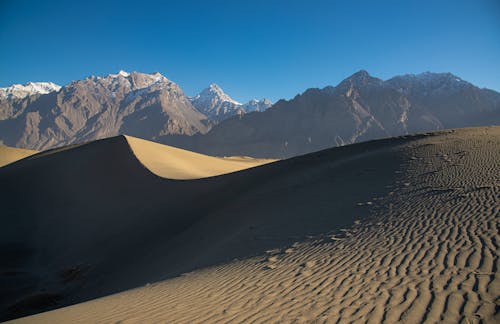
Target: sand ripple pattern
[{"x": 429, "y": 253}]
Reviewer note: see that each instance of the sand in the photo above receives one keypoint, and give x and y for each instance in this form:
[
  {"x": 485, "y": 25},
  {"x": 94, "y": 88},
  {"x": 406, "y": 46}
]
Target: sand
[
  {"x": 174, "y": 163},
  {"x": 12, "y": 154},
  {"x": 163, "y": 160},
  {"x": 396, "y": 230}
]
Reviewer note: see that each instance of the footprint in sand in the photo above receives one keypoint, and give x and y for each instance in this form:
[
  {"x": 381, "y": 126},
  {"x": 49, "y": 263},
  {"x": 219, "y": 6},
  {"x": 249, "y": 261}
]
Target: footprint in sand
[
  {"x": 310, "y": 264},
  {"x": 307, "y": 268},
  {"x": 271, "y": 263},
  {"x": 272, "y": 259}
]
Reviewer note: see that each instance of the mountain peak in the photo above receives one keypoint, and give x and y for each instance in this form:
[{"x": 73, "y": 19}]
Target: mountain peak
[
  {"x": 134, "y": 80},
  {"x": 214, "y": 93},
  {"x": 427, "y": 75},
  {"x": 430, "y": 80},
  {"x": 217, "y": 105},
  {"x": 442, "y": 76},
  {"x": 126, "y": 75},
  {"x": 361, "y": 74},
  {"x": 360, "y": 78},
  {"x": 215, "y": 87},
  {"x": 28, "y": 89},
  {"x": 123, "y": 73},
  {"x": 257, "y": 105},
  {"x": 120, "y": 73}
]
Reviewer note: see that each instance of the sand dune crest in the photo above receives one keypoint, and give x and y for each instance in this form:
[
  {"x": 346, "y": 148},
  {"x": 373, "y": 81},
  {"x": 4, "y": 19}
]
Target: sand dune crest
[
  {"x": 174, "y": 163},
  {"x": 298, "y": 240},
  {"x": 12, "y": 154}
]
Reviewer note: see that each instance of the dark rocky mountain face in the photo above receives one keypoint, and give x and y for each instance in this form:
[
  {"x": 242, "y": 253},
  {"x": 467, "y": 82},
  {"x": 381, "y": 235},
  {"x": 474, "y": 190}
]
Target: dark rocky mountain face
[
  {"x": 455, "y": 102},
  {"x": 360, "y": 108},
  {"x": 13, "y": 107},
  {"x": 143, "y": 105}
]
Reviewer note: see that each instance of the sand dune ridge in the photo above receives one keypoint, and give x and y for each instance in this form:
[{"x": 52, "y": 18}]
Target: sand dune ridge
[{"x": 298, "y": 240}]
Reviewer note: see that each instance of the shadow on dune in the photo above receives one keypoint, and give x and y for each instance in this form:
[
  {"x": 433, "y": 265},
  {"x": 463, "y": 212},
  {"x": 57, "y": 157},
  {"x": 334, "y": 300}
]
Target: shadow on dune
[{"x": 95, "y": 221}]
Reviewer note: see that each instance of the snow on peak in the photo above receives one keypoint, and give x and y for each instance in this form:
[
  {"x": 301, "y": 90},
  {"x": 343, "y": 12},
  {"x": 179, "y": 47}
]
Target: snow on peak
[
  {"x": 216, "y": 104},
  {"x": 123, "y": 73},
  {"x": 257, "y": 105},
  {"x": 28, "y": 89},
  {"x": 214, "y": 93},
  {"x": 136, "y": 80},
  {"x": 119, "y": 74}
]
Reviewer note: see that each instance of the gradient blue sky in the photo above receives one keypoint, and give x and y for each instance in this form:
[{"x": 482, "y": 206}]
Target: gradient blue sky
[{"x": 272, "y": 49}]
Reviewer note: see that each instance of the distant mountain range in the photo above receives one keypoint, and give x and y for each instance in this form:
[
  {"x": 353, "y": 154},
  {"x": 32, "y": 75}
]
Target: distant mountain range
[
  {"x": 44, "y": 115},
  {"x": 19, "y": 91},
  {"x": 218, "y": 106},
  {"x": 361, "y": 107}
]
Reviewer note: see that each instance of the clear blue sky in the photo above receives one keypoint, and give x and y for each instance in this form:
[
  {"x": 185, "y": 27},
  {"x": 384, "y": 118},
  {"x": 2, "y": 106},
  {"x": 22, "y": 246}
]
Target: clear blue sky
[{"x": 253, "y": 48}]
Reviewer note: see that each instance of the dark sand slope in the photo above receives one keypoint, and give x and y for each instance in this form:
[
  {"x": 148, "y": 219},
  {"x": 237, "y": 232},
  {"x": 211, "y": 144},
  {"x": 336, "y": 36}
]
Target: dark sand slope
[{"x": 404, "y": 229}]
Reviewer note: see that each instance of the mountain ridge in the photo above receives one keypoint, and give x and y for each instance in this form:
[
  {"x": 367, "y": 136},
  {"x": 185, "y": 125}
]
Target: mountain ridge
[
  {"x": 30, "y": 88},
  {"x": 140, "y": 104},
  {"x": 218, "y": 106},
  {"x": 150, "y": 106},
  {"x": 359, "y": 108}
]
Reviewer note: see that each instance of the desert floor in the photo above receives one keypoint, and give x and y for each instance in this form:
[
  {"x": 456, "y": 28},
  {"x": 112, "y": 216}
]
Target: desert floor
[{"x": 393, "y": 230}]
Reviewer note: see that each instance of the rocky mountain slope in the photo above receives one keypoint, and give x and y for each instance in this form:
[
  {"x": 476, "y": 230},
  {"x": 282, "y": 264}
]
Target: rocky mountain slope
[
  {"x": 139, "y": 104},
  {"x": 218, "y": 106},
  {"x": 14, "y": 99},
  {"x": 360, "y": 108}
]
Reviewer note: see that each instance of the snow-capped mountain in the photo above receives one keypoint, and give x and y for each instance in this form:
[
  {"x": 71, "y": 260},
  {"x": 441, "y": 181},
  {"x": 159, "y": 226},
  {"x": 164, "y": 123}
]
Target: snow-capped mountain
[
  {"x": 257, "y": 105},
  {"x": 42, "y": 115},
  {"x": 150, "y": 106},
  {"x": 217, "y": 105},
  {"x": 20, "y": 91},
  {"x": 214, "y": 93},
  {"x": 359, "y": 108},
  {"x": 136, "y": 81},
  {"x": 139, "y": 104}
]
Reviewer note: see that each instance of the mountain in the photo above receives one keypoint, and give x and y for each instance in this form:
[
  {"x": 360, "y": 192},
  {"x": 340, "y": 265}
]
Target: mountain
[
  {"x": 215, "y": 104},
  {"x": 257, "y": 105},
  {"x": 16, "y": 98},
  {"x": 455, "y": 102},
  {"x": 31, "y": 88},
  {"x": 139, "y": 104},
  {"x": 360, "y": 108},
  {"x": 218, "y": 106}
]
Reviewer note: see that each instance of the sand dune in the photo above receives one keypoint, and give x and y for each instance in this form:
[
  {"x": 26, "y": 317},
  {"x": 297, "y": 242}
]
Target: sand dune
[
  {"x": 12, "y": 154},
  {"x": 163, "y": 160},
  {"x": 173, "y": 163},
  {"x": 396, "y": 230}
]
